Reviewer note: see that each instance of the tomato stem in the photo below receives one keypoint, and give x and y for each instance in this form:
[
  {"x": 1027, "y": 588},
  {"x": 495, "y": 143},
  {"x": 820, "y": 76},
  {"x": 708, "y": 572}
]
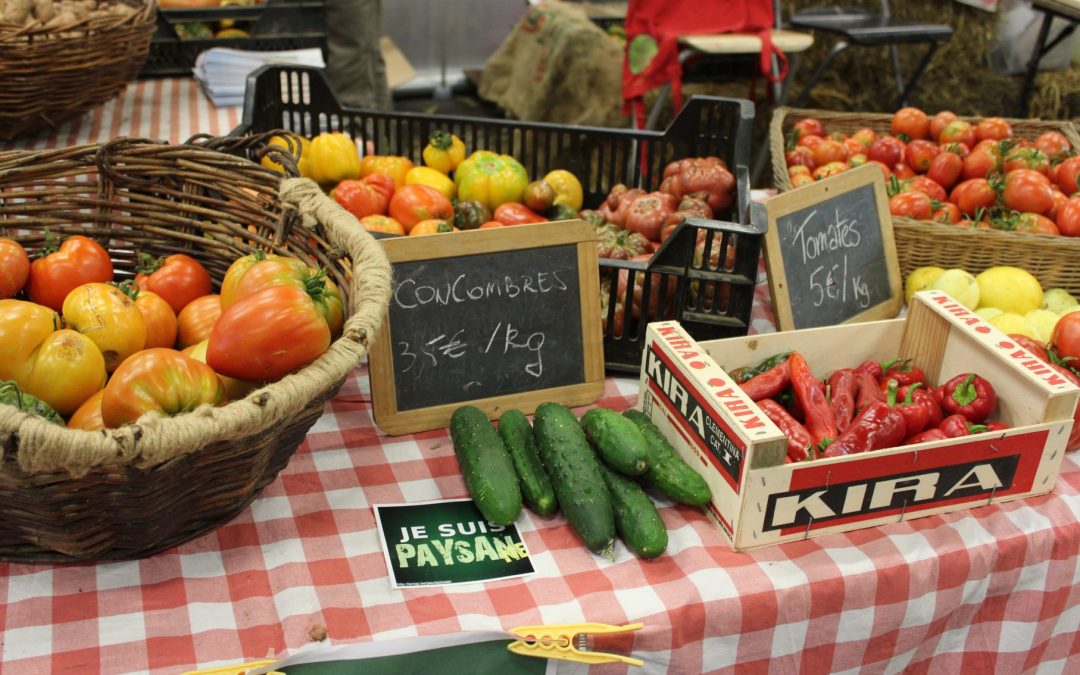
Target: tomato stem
[
  {"x": 148, "y": 264},
  {"x": 50, "y": 246}
]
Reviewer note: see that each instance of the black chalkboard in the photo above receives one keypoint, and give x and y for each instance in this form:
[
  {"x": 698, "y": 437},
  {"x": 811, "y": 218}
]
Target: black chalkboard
[
  {"x": 494, "y": 318},
  {"x": 485, "y": 325},
  {"x": 831, "y": 253}
]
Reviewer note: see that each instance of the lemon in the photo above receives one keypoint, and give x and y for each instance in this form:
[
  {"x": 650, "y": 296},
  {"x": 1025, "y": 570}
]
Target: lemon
[
  {"x": 920, "y": 280},
  {"x": 987, "y": 313},
  {"x": 960, "y": 285},
  {"x": 1041, "y": 322},
  {"x": 1057, "y": 300},
  {"x": 1014, "y": 324},
  {"x": 1010, "y": 289}
]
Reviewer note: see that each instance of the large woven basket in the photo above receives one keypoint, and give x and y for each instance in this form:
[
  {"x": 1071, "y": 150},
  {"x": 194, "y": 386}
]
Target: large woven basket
[
  {"x": 126, "y": 493},
  {"x": 54, "y": 71},
  {"x": 1054, "y": 260}
]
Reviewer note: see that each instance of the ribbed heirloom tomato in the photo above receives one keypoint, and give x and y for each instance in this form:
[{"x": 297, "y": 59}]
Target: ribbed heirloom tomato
[
  {"x": 14, "y": 268},
  {"x": 79, "y": 260},
  {"x": 158, "y": 380},
  {"x": 177, "y": 278},
  {"x": 195, "y": 322},
  {"x": 315, "y": 284},
  {"x": 108, "y": 317}
]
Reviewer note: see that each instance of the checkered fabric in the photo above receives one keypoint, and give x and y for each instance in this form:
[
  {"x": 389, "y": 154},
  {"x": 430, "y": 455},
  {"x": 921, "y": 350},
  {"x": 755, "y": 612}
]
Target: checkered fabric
[{"x": 993, "y": 589}]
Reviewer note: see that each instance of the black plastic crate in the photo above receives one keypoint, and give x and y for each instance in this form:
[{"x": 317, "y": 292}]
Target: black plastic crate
[
  {"x": 274, "y": 25},
  {"x": 686, "y": 280}
]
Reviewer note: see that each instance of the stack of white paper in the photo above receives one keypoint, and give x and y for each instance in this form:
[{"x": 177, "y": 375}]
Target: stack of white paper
[{"x": 222, "y": 72}]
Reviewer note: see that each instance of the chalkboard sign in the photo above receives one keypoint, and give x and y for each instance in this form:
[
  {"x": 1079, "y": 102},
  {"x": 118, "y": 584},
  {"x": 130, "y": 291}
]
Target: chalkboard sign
[
  {"x": 497, "y": 318},
  {"x": 830, "y": 252}
]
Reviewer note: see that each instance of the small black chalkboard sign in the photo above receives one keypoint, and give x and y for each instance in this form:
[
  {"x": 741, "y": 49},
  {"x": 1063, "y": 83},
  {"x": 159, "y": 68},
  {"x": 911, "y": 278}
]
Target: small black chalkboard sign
[
  {"x": 830, "y": 252},
  {"x": 494, "y": 318}
]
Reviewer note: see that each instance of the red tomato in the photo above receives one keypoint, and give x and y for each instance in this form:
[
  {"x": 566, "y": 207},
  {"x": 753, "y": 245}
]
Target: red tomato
[
  {"x": 369, "y": 196},
  {"x": 1054, "y": 145},
  {"x": 797, "y": 169},
  {"x": 809, "y": 127},
  {"x": 158, "y": 380},
  {"x": 979, "y": 164},
  {"x": 1033, "y": 223},
  {"x": 1065, "y": 338},
  {"x": 1068, "y": 178},
  {"x": 159, "y": 318},
  {"x": 811, "y": 141},
  {"x": 414, "y": 203},
  {"x": 1068, "y": 218},
  {"x": 490, "y": 224},
  {"x": 830, "y": 169},
  {"x": 919, "y": 154},
  {"x": 177, "y": 278},
  {"x": 927, "y": 186},
  {"x": 939, "y": 121},
  {"x": 1060, "y": 198},
  {"x": 910, "y": 122},
  {"x": 958, "y": 131},
  {"x": 80, "y": 260},
  {"x": 947, "y": 213},
  {"x": 14, "y": 268},
  {"x": 1027, "y": 158},
  {"x": 194, "y": 323},
  {"x": 903, "y": 171},
  {"x": 972, "y": 224},
  {"x": 945, "y": 170},
  {"x": 801, "y": 179},
  {"x": 853, "y": 146},
  {"x": 316, "y": 284},
  {"x": 973, "y": 195},
  {"x": 800, "y": 155},
  {"x": 996, "y": 128},
  {"x": 267, "y": 335},
  {"x": 885, "y": 170},
  {"x": 1027, "y": 191},
  {"x": 88, "y": 416},
  {"x": 988, "y": 144},
  {"x": 887, "y": 150},
  {"x": 866, "y": 136},
  {"x": 958, "y": 149},
  {"x": 512, "y": 213},
  {"x": 829, "y": 151},
  {"x": 911, "y": 205}
]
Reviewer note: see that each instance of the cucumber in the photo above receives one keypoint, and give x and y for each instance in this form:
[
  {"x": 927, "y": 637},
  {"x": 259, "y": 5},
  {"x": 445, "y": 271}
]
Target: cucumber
[
  {"x": 636, "y": 519},
  {"x": 536, "y": 489},
  {"x": 618, "y": 440},
  {"x": 486, "y": 465},
  {"x": 667, "y": 470},
  {"x": 575, "y": 474}
]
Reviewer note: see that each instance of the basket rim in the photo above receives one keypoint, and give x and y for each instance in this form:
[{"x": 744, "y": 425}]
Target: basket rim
[{"x": 146, "y": 12}]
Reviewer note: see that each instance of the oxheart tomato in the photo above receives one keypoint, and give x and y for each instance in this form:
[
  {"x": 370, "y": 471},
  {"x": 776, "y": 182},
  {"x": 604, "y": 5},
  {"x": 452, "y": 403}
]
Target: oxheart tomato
[
  {"x": 947, "y": 212},
  {"x": 267, "y": 335},
  {"x": 291, "y": 272},
  {"x": 1054, "y": 145},
  {"x": 911, "y": 205},
  {"x": 88, "y": 415},
  {"x": 887, "y": 150},
  {"x": 1033, "y": 223},
  {"x": 1027, "y": 158},
  {"x": 996, "y": 128},
  {"x": 110, "y": 318},
  {"x": 945, "y": 169},
  {"x": 61, "y": 367},
  {"x": 78, "y": 261},
  {"x": 1065, "y": 338},
  {"x": 919, "y": 154},
  {"x": 910, "y": 122},
  {"x": 1068, "y": 218},
  {"x": 195, "y": 321},
  {"x": 158, "y": 380},
  {"x": 980, "y": 163},
  {"x": 235, "y": 389},
  {"x": 1027, "y": 191},
  {"x": 414, "y": 203},
  {"x": 1068, "y": 176},
  {"x": 927, "y": 186},
  {"x": 973, "y": 195},
  {"x": 177, "y": 278},
  {"x": 14, "y": 268}
]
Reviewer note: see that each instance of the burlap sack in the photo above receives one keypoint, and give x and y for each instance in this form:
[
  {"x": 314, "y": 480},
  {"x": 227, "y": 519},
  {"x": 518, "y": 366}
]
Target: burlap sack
[{"x": 557, "y": 66}]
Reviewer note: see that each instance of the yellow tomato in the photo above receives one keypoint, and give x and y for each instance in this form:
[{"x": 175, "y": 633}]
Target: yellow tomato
[
  {"x": 422, "y": 175},
  {"x": 108, "y": 317},
  {"x": 332, "y": 158},
  {"x": 391, "y": 165},
  {"x": 567, "y": 188},
  {"x": 302, "y": 163},
  {"x": 444, "y": 152},
  {"x": 382, "y": 224}
]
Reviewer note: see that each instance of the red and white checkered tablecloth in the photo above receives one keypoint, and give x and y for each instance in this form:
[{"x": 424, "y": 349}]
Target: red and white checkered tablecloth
[{"x": 994, "y": 589}]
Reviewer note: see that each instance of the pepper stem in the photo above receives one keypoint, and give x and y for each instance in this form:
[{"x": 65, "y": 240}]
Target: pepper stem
[{"x": 965, "y": 392}]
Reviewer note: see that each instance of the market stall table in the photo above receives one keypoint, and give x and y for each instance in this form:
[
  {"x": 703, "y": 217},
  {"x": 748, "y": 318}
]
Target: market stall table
[{"x": 991, "y": 589}]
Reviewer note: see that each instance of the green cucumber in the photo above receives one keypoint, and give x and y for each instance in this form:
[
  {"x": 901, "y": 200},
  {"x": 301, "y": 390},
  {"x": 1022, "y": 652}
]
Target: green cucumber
[
  {"x": 536, "y": 488},
  {"x": 667, "y": 470},
  {"x": 639, "y": 524},
  {"x": 618, "y": 440},
  {"x": 486, "y": 465},
  {"x": 575, "y": 474}
]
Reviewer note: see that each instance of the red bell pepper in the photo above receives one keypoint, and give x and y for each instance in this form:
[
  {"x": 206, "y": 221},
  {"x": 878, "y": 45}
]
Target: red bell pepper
[
  {"x": 867, "y": 390},
  {"x": 810, "y": 394},
  {"x": 876, "y": 427},
  {"x": 926, "y": 399},
  {"x": 996, "y": 426},
  {"x": 799, "y": 445},
  {"x": 768, "y": 384},
  {"x": 955, "y": 426},
  {"x": 903, "y": 372},
  {"x": 915, "y": 414},
  {"x": 1040, "y": 351},
  {"x": 842, "y": 388},
  {"x": 969, "y": 395},
  {"x": 872, "y": 368},
  {"x": 926, "y": 436}
]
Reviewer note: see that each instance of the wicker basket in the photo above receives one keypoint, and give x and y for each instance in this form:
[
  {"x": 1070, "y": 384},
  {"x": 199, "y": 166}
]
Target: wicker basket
[
  {"x": 126, "y": 493},
  {"x": 1054, "y": 260},
  {"x": 56, "y": 71}
]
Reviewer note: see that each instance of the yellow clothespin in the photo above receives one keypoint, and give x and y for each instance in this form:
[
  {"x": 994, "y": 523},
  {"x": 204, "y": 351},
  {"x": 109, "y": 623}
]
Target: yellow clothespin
[
  {"x": 237, "y": 669},
  {"x": 568, "y": 642}
]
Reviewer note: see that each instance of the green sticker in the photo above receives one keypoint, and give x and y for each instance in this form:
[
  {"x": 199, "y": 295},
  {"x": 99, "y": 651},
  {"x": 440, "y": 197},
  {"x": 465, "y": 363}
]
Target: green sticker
[{"x": 642, "y": 50}]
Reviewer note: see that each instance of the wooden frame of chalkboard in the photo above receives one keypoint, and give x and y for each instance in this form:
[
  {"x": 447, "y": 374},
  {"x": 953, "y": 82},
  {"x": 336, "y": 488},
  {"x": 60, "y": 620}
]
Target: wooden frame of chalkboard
[
  {"x": 830, "y": 252},
  {"x": 496, "y": 318}
]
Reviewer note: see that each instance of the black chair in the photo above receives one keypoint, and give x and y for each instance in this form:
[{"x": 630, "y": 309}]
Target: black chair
[{"x": 857, "y": 26}]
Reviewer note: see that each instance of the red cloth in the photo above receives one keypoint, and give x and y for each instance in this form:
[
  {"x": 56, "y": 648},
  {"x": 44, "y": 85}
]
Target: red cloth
[{"x": 657, "y": 24}]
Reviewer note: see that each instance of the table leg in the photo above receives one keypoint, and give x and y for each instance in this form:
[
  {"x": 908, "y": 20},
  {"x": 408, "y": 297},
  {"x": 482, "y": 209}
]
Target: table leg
[
  {"x": 837, "y": 49},
  {"x": 1033, "y": 64},
  {"x": 914, "y": 80}
]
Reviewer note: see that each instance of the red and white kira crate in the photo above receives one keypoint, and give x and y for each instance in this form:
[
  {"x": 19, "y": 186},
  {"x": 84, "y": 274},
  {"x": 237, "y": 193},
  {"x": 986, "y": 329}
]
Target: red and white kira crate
[{"x": 759, "y": 500}]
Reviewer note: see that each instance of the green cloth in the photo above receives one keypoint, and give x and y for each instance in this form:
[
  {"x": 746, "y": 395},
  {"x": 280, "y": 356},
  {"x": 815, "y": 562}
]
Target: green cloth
[{"x": 471, "y": 659}]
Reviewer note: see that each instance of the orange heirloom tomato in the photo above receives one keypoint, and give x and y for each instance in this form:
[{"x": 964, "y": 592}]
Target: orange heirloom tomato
[
  {"x": 158, "y": 380},
  {"x": 267, "y": 335},
  {"x": 391, "y": 165},
  {"x": 108, "y": 317},
  {"x": 234, "y": 388},
  {"x": 88, "y": 416},
  {"x": 382, "y": 224},
  {"x": 178, "y": 278},
  {"x": 291, "y": 272},
  {"x": 61, "y": 367},
  {"x": 431, "y": 227},
  {"x": 78, "y": 261},
  {"x": 14, "y": 268},
  {"x": 159, "y": 318},
  {"x": 238, "y": 269},
  {"x": 365, "y": 197},
  {"x": 414, "y": 203},
  {"x": 195, "y": 322}
]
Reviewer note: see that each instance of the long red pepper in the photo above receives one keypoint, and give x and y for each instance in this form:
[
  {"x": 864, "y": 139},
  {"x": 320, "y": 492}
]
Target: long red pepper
[
  {"x": 867, "y": 390},
  {"x": 924, "y": 436},
  {"x": 768, "y": 384},
  {"x": 798, "y": 438},
  {"x": 876, "y": 427},
  {"x": 842, "y": 387},
  {"x": 810, "y": 394}
]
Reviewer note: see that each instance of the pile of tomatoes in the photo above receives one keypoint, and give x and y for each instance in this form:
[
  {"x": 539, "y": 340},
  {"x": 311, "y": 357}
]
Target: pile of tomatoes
[
  {"x": 952, "y": 171},
  {"x": 102, "y": 353}
]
